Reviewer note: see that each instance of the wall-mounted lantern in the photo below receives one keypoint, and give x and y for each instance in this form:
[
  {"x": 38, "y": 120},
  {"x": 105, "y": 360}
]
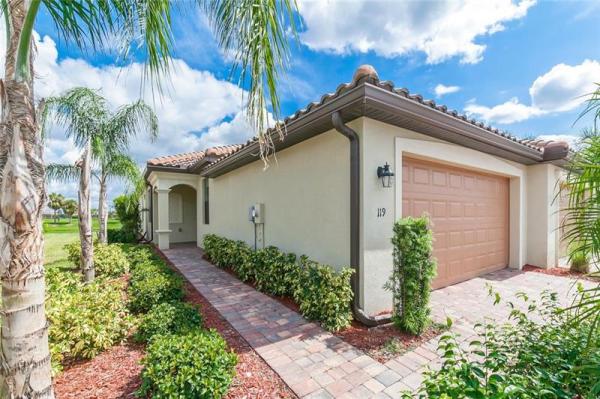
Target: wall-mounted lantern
[{"x": 385, "y": 174}]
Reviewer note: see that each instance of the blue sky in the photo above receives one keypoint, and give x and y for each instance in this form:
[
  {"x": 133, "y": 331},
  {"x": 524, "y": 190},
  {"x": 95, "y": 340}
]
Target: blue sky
[{"x": 519, "y": 65}]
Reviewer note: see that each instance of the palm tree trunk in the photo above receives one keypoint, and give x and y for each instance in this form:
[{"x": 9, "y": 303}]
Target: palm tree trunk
[
  {"x": 103, "y": 211},
  {"x": 85, "y": 218},
  {"x": 24, "y": 352}
]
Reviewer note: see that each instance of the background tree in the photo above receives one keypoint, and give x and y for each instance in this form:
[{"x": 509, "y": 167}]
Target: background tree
[
  {"x": 113, "y": 165},
  {"x": 56, "y": 202},
  {"x": 69, "y": 207},
  {"x": 254, "y": 32}
]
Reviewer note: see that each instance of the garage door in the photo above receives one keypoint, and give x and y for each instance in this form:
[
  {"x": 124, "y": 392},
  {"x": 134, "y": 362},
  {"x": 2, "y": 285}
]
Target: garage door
[{"x": 469, "y": 211}]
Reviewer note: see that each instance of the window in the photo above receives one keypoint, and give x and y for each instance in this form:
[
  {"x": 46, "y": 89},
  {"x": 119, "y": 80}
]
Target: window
[
  {"x": 206, "y": 199},
  {"x": 175, "y": 208}
]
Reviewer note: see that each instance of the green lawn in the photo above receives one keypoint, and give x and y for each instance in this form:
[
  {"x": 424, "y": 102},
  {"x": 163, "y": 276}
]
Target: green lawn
[{"x": 56, "y": 235}]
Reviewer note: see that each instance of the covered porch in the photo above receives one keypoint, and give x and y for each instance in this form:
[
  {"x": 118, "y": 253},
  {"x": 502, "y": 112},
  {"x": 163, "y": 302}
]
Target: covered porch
[{"x": 170, "y": 208}]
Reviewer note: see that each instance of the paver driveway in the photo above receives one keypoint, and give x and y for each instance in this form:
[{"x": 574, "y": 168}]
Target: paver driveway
[{"x": 317, "y": 364}]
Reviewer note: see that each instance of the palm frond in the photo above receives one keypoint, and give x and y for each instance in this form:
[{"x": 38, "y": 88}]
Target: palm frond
[
  {"x": 62, "y": 172},
  {"x": 81, "y": 111},
  {"x": 127, "y": 122},
  {"x": 141, "y": 24},
  {"x": 122, "y": 166},
  {"x": 255, "y": 32}
]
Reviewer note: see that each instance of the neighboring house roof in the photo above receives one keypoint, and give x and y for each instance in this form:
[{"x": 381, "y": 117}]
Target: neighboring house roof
[{"x": 368, "y": 96}]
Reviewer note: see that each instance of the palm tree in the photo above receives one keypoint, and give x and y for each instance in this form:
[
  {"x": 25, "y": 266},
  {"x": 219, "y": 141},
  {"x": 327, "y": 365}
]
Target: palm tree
[
  {"x": 116, "y": 165},
  {"x": 56, "y": 202},
  {"x": 69, "y": 207},
  {"x": 253, "y": 31}
]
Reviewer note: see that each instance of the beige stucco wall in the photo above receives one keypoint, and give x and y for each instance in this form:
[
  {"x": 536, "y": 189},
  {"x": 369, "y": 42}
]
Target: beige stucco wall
[
  {"x": 305, "y": 191},
  {"x": 530, "y": 242}
]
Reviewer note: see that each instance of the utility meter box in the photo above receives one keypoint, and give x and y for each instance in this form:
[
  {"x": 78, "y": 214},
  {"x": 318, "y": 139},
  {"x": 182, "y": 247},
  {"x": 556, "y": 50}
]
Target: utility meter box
[
  {"x": 259, "y": 213},
  {"x": 256, "y": 213}
]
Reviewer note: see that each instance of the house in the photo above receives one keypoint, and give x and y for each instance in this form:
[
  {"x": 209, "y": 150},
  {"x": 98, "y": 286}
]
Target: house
[{"x": 330, "y": 193}]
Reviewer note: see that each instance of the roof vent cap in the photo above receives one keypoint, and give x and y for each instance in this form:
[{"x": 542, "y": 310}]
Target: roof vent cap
[{"x": 365, "y": 72}]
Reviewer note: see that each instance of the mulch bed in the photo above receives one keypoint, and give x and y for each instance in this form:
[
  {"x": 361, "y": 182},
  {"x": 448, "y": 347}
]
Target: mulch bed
[
  {"x": 559, "y": 271},
  {"x": 112, "y": 374},
  {"x": 385, "y": 342}
]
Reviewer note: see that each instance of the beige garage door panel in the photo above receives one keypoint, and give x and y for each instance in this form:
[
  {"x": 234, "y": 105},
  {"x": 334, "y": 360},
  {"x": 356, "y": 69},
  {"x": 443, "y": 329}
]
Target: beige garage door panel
[{"x": 469, "y": 211}]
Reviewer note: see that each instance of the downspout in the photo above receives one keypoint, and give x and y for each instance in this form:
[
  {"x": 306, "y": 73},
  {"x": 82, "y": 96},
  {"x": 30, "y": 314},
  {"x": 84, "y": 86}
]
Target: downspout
[
  {"x": 359, "y": 314},
  {"x": 151, "y": 213}
]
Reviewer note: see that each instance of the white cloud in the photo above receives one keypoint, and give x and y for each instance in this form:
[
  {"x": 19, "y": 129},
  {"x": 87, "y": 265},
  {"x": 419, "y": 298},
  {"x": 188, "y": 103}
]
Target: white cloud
[
  {"x": 441, "y": 90},
  {"x": 561, "y": 89},
  {"x": 509, "y": 112},
  {"x": 441, "y": 29},
  {"x": 196, "y": 101}
]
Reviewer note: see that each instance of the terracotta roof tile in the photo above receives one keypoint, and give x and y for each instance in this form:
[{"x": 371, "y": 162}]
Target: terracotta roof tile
[
  {"x": 367, "y": 73},
  {"x": 189, "y": 159}
]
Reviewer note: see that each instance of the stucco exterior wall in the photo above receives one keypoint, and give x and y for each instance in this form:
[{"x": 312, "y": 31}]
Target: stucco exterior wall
[
  {"x": 305, "y": 192},
  {"x": 530, "y": 241}
]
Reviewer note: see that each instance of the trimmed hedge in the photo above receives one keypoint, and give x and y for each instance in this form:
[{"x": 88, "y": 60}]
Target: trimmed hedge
[
  {"x": 322, "y": 293},
  {"x": 414, "y": 269},
  {"x": 121, "y": 236},
  {"x": 168, "y": 318},
  {"x": 151, "y": 285},
  {"x": 194, "y": 365},
  {"x": 109, "y": 259}
]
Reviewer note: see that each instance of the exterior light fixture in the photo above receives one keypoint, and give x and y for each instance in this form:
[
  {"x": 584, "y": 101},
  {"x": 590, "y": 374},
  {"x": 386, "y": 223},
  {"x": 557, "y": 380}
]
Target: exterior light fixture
[{"x": 385, "y": 174}]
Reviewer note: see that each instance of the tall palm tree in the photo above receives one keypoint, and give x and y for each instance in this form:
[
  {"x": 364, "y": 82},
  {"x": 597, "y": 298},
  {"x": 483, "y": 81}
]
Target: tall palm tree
[{"x": 254, "y": 31}]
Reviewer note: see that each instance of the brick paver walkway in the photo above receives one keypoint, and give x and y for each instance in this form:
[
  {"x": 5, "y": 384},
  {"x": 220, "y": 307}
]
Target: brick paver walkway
[{"x": 317, "y": 364}]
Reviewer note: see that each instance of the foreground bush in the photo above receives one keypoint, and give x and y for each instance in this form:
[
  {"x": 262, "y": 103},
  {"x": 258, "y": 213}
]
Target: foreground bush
[
  {"x": 194, "y": 365},
  {"x": 540, "y": 353},
  {"x": 85, "y": 319},
  {"x": 109, "y": 259},
  {"x": 168, "y": 318},
  {"x": 413, "y": 271},
  {"x": 153, "y": 288},
  {"x": 322, "y": 293}
]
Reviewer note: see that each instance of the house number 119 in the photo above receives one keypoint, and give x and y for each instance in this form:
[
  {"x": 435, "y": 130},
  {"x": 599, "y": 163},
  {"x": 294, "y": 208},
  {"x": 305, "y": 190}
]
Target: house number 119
[{"x": 380, "y": 212}]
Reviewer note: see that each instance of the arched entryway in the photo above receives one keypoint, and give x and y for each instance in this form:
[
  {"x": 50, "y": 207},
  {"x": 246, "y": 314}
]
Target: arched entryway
[{"x": 182, "y": 214}]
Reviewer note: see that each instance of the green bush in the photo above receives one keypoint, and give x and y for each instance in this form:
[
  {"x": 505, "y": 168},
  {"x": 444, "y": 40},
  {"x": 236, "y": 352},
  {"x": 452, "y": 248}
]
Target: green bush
[
  {"x": 276, "y": 273},
  {"x": 85, "y": 319},
  {"x": 579, "y": 259},
  {"x": 168, "y": 318},
  {"x": 413, "y": 271},
  {"x": 127, "y": 210},
  {"x": 152, "y": 284},
  {"x": 194, "y": 365},
  {"x": 137, "y": 254},
  {"x": 539, "y": 353},
  {"x": 121, "y": 236},
  {"x": 324, "y": 294},
  {"x": 109, "y": 259},
  {"x": 321, "y": 293}
]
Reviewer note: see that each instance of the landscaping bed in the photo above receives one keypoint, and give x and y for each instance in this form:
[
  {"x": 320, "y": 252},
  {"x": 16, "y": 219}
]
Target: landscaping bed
[
  {"x": 562, "y": 272},
  {"x": 386, "y": 342}
]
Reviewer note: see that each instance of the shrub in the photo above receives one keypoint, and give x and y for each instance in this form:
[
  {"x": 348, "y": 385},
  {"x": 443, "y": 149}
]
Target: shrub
[
  {"x": 127, "y": 209},
  {"x": 152, "y": 285},
  {"x": 276, "y": 273},
  {"x": 139, "y": 254},
  {"x": 85, "y": 319},
  {"x": 109, "y": 259},
  {"x": 578, "y": 259},
  {"x": 194, "y": 365},
  {"x": 121, "y": 236},
  {"x": 539, "y": 353},
  {"x": 413, "y": 271},
  {"x": 324, "y": 294},
  {"x": 168, "y": 318}
]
